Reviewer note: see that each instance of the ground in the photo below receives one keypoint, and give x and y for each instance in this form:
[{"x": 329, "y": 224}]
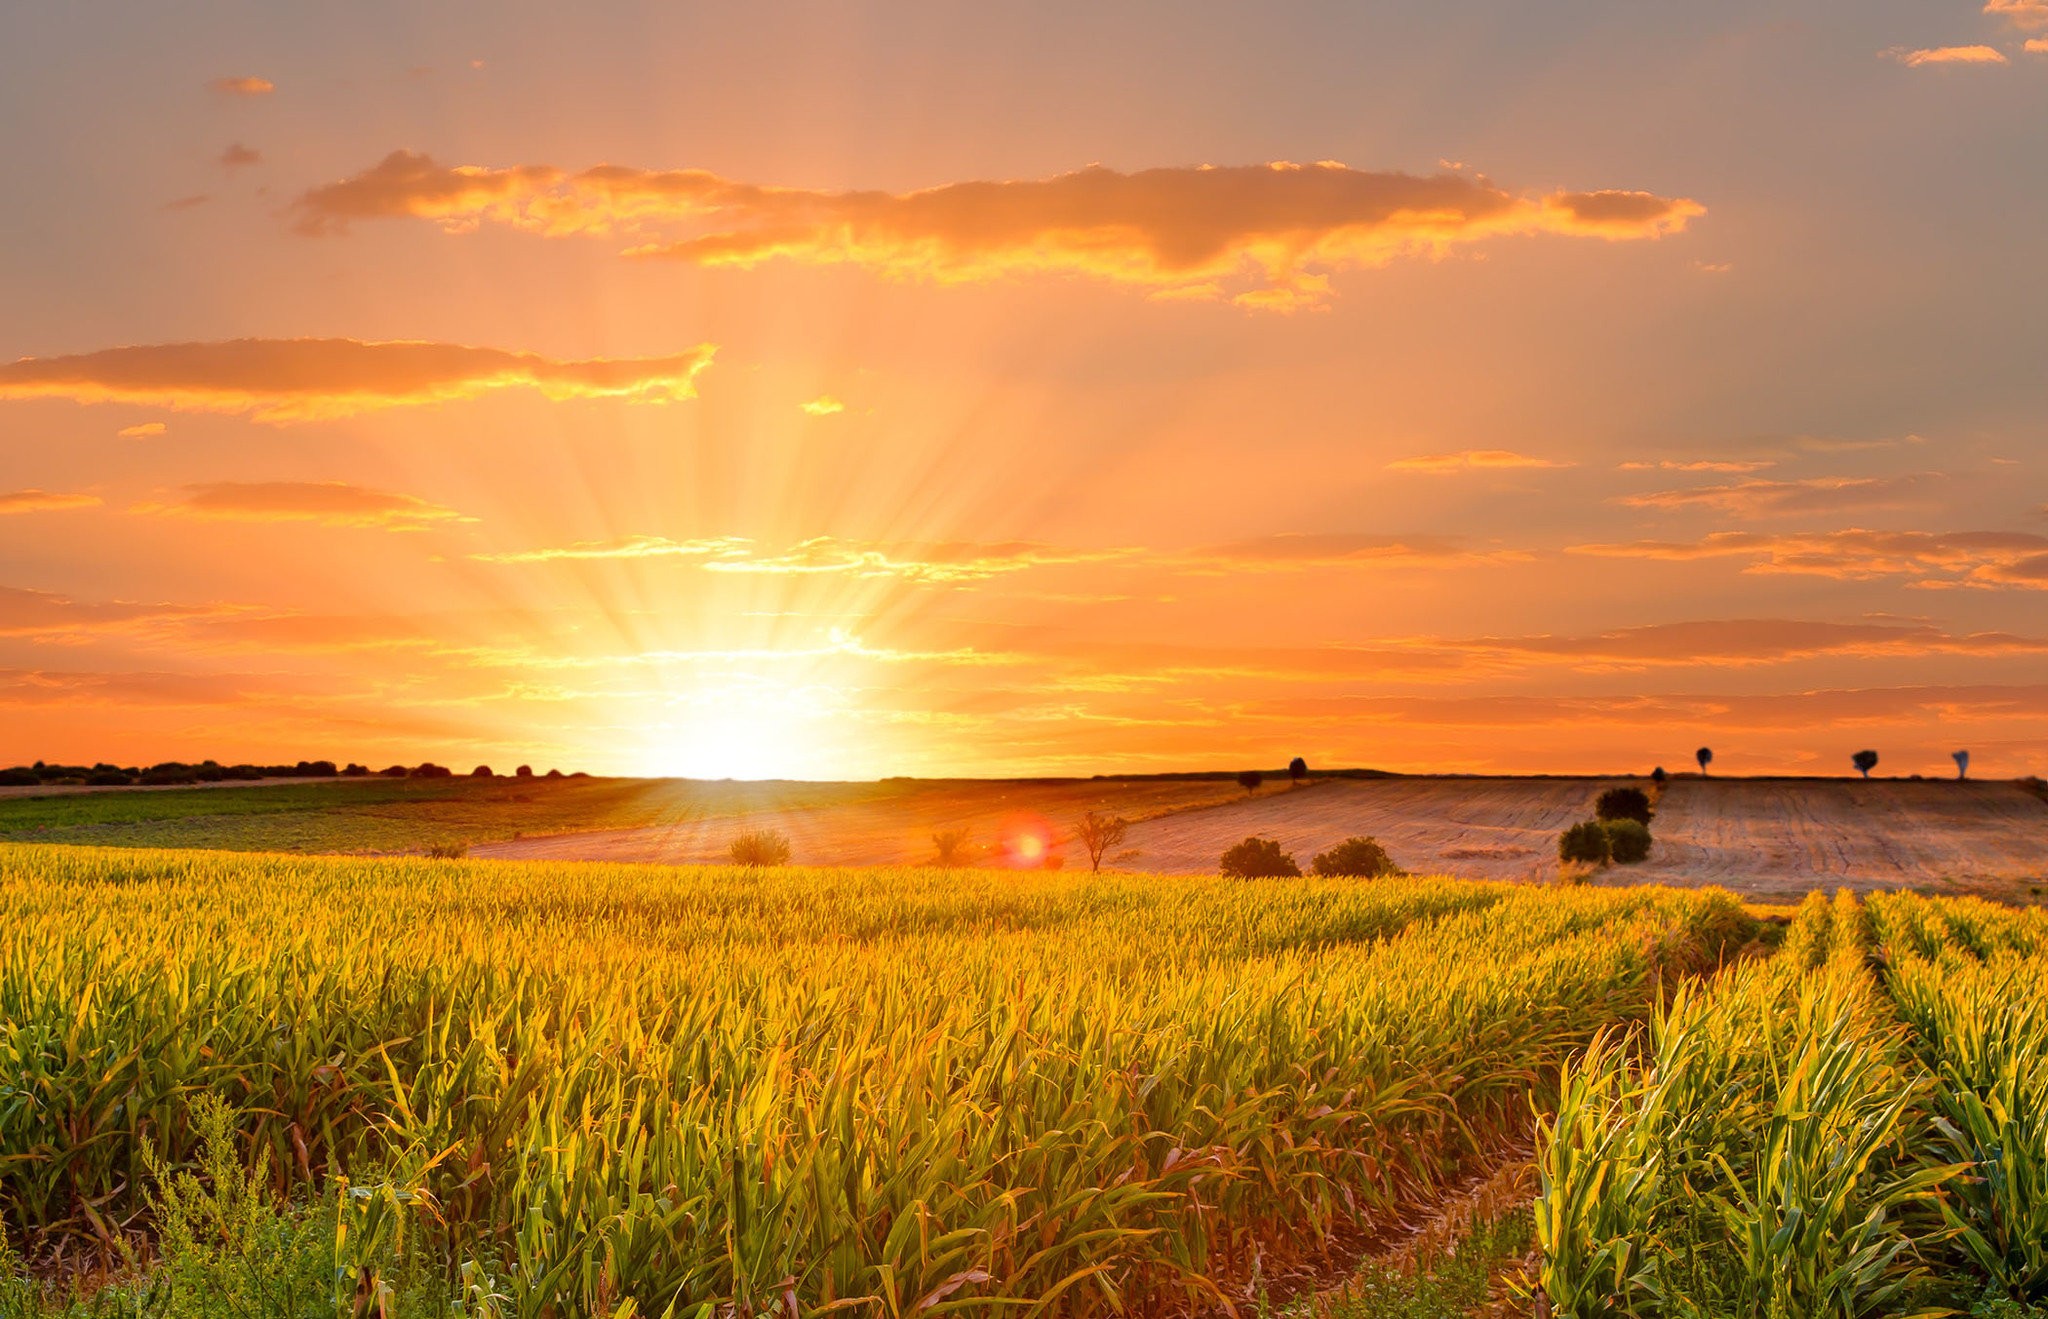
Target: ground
[{"x": 1770, "y": 838}]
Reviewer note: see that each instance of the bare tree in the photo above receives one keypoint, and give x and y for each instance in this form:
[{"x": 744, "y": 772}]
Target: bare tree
[
  {"x": 1864, "y": 761},
  {"x": 1097, "y": 833}
]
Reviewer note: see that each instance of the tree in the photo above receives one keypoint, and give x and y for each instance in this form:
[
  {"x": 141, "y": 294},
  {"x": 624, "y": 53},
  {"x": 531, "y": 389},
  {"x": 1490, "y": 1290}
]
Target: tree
[
  {"x": 1097, "y": 833},
  {"x": 1962, "y": 759},
  {"x": 1258, "y": 858},
  {"x": 1657, "y": 775},
  {"x": 1585, "y": 841},
  {"x": 1623, "y": 804},
  {"x": 951, "y": 845},
  {"x": 1705, "y": 755},
  {"x": 1297, "y": 769},
  {"x": 1628, "y": 841},
  {"x": 1250, "y": 780},
  {"x": 1864, "y": 761},
  {"x": 523, "y": 772},
  {"x": 1361, "y": 858}
]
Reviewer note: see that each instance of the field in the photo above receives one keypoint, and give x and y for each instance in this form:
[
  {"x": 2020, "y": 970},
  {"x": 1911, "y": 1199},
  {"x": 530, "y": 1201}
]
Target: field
[
  {"x": 248, "y": 1084},
  {"x": 1776, "y": 839}
]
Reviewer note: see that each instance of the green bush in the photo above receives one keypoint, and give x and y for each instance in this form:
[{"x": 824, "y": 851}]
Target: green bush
[
  {"x": 1362, "y": 857},
  {"x": 1628, "y": 841},
  {"x": 1258, "y": 858},
  {"x": 1584, "y": 841},
  {"x": 1623, "y": 804}
]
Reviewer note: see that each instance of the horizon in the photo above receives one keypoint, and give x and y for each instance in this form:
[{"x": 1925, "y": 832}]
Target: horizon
[{"x": 803, "y": 395}]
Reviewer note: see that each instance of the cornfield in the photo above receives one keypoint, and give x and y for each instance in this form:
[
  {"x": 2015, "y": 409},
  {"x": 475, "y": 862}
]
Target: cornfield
[
  {"x": 1858, "y": 1126},
  {"x": 725, "y": 1092}
]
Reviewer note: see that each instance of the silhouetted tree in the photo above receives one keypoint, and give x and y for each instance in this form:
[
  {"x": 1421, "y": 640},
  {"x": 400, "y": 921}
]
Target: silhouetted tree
[
  {"x": 1258, "y": 858},
  {"x": 1657, "y": 775},
  {"x": 1962, "y": 759},
  {"x": 1623, "y": 804},
  {"x": 1250, "y": 780},
  {"x": 523, "y": 772},
  {"x": 1297, "y": 769},
  {"x": 1097, "y": 833},
  {"x": 1705, "y": 755},
  {"x": 481, "y": 772},
  {"x": 1864, "y": 761}
]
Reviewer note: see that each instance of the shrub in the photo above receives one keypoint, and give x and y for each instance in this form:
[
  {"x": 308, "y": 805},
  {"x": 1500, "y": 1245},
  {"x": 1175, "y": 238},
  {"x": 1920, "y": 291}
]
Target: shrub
[
  {"x": 1658, "y": 775},
  {"x": 239, "y": 773},
  {"x": 481, "y": 772},
  {"x": 20, "y": 777},
  {"x": 1585, "y": 841},
  {"x": 761, "y": 847},
  {"x": 1359, "y": 857},
  {"x": 109, "y": 778},
  {"x": 395, "y": 771},
  {"x": 1623, "y": 804},
  {"x": 951, "y": 846},
  {"x": 429, "y": 770},
  {"x": 1250, "y": 780},
  {"x": 1258, "y": 858},
  {"x": 1628, "y": 841},
  {"x": 523, "y": 772},
  {"x": 553, "y": 774},
  {"x": 448, "y": 851},
  {"x": 355, "y": 771}
]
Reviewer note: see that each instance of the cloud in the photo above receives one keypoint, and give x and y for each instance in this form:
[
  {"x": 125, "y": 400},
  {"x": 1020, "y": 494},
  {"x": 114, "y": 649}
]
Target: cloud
[
  {"x": 1758, "y": 641},
  {"x": 2037, "y": 46},
  {"x": 2027, "y": 14},
  {"x": 43, "y": 501},
  {"x": 244, "y": 86},
  {"x": 34, "y": 687},
  {"x": 143, "y": 431},
  {"x": 1985, "y": 559},
  {"x": 288, "y": 380},
  {"x": 1702, "y": 465},
  {"x": 334, "y": 503},
  {"x": 50, "y": 617},
  {"x": 1297, "y": 550},
  {"x": 236, "y": 156},
  {"x": 1914, "y": 59},
  {"x": 824, "y": 405},
  {"x": 1269, "y": 234},
  {"x": 626, "y": 547},
  {"x": 1821, "y": 494},
  {"x": 936, "y": 562},
  {"x": 1466, "y": 460}
]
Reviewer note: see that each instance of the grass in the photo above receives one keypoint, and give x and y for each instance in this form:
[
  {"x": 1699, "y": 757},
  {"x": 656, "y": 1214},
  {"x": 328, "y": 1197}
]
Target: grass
[
  {"x": 386, "y": 815},
  {"x": 642, "y": 1091}
]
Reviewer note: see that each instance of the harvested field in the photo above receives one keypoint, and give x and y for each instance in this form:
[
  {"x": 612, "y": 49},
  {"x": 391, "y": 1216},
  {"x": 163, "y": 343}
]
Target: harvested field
[{"x": 1768, "y": 838}]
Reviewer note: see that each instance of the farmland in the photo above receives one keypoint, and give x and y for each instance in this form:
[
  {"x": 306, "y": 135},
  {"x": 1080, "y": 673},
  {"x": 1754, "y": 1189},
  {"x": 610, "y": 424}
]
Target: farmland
[{"x": 638, "y": 1090}]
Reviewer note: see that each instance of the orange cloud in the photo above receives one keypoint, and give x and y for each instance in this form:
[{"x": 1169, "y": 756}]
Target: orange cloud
[
  {"x": 1270, "y": 233},
  {"x": 49, "y": 617},
  {"x": 2037, "y": 45},
  {"x": 1823, "y": 494},
  {"x": 1465, "y": 460},
  {"x": 1297, "y": 550},
  {"x": 144, "y": 431},
  {"x": 288, "y": 380},
  {"x": 43, "y": 501},
  {"x": 245, "y": 86},
  {"x": 335, "y": 503},
  {"x": 1758, "y": 641},
  {"x": 2028, "y": 14},
  {"x": 34, "y": 687},
  {"x": 1914, "y": 59},
  {"x": 1961, "y": 558},
  {"x": 824, "y": 405},
  {"x": 626, "y": 547},
  {"x": 1702, "y": 465}
]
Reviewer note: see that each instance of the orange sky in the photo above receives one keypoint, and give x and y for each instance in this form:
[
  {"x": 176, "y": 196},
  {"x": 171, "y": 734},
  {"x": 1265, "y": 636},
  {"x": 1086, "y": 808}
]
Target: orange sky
[{"x": 847, "y": 390}]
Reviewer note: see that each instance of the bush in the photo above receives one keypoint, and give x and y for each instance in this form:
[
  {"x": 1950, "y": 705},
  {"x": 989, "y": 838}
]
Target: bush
[
  {"x": 1258, "y": 858},
  {"x": 355, "y": 771},
  {"x": 951, "y": 846},
  {"x": 448, "y": 851},
  {"x": 429, "y": 770},
  {"x": 762, "y": 847},
  {"x": 394, "y": 771},
  {"x": 523, "y": 772},
  {"x": 20, "y": 777},
  {"x": 1585, "y": 841},
  {"x": 1357, "y": 857},
  {"x": 1623, "y": 804},
  {"x": 481, "y": 772},
  {"x": 1628, "y": 841},
  {"x": 109, "y": 778},
  {"x": 1250, "y": 780},
  {"x": 553, "y": 774}
]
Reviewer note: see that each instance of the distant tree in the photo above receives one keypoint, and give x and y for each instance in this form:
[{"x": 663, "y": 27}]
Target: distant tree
[
  {"x": 1361, "y": 858},
  {"x": 1705, "y": 755},
  {"x": 1623, "y": 804},
  {"x": 393, "y": 772},
  {"x": 1297, "y": 769},
  {"x": 1584, "y": 841},
  {"x": 1658, "y": 775},
  {"x": 553, "y": 774},
  {"x": 762, "y": 847},
  {"x": 1864, "y": 761},
  {"x": 429, "y": 770},
  {"x": 1250, "y": 780},
  {"x": 481, "y": 772},
  {"x": 952, "y": 846},
  {"x": 523, "y": 772},
  {"x": 1097, "y": 833},
  {"x": 1258, "y": 858},
  {"x": 1962, "y": 759},
  {"x": 349, "y": 771}
]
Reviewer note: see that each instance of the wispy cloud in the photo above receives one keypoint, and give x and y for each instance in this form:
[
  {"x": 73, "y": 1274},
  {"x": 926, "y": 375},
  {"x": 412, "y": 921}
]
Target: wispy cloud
[
  {"x": 1266, "y": 235},
  {"x": 1700, "y": 465},
  {"x": 334, "y": 503},
  {"x": 53, "y": 618},
  {"x": 626, "y": 547},
  {"x": 1296, "y": 551},
  {"x": 1986, "y": 559},
  {"x": 1940, "y": 55},
  {"x": 290, "y": 380},
  {"x": 1821, "y": 494},
  {"x": 1470, "y": 460},
  {"x": 246, "y": 85},
  {"x": 44, "y": 501},
  {"x": 824, "y": 405},
  {"x": 2030, "y": 15}
]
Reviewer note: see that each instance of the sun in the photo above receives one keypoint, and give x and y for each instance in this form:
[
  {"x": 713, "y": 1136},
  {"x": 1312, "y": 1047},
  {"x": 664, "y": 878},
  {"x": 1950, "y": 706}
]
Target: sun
[{"x": 746, "y": 730}]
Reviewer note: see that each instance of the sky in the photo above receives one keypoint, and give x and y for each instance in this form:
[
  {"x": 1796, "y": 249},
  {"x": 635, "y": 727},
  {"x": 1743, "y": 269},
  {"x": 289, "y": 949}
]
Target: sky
[{"x": 843, "y": 390}]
